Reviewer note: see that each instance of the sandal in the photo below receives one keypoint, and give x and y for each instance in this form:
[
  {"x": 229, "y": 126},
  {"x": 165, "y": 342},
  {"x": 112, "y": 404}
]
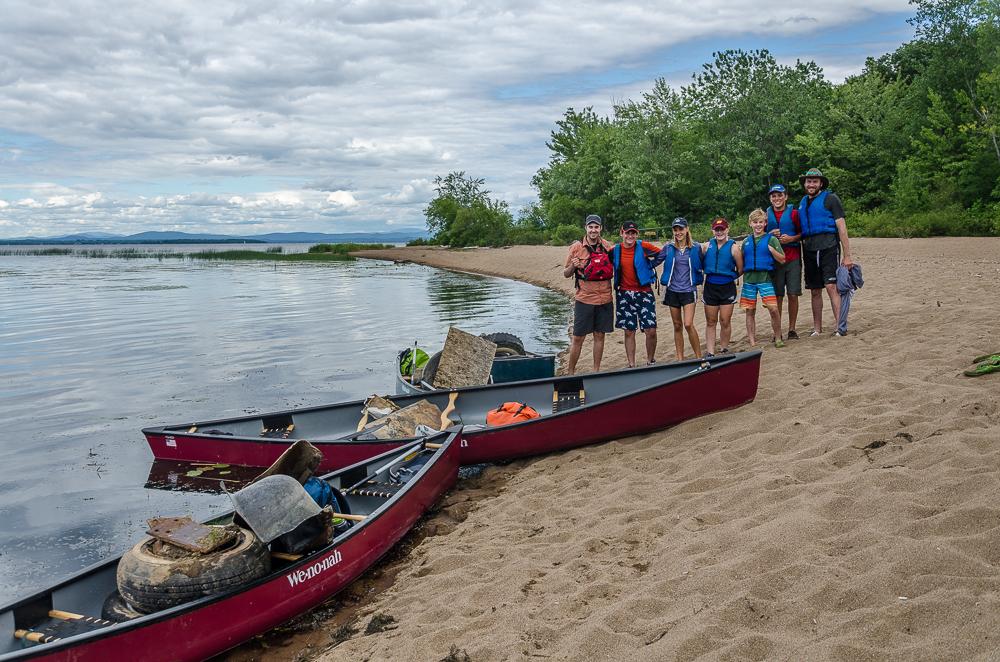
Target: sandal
[
  {"x": 792, "y": 335},
  {"x": 815, "y": 333},
  {"x": 985, "y": 357},
  {"x": 779, "y": 343}
]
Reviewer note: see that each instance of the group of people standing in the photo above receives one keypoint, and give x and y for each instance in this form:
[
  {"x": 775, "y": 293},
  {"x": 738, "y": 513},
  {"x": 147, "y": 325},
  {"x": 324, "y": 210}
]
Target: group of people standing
[{"x": 614, "y": 282}]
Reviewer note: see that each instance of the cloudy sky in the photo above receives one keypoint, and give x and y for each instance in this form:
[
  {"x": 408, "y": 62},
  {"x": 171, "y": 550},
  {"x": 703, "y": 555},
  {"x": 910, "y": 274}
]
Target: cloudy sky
[{"x": 253, "y": 117}]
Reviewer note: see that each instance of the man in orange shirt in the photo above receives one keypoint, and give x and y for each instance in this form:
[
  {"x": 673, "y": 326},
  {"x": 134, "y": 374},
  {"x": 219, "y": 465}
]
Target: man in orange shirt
[
  {"x": 589, "y": 262},
  {"x": 635, "y": 305}
]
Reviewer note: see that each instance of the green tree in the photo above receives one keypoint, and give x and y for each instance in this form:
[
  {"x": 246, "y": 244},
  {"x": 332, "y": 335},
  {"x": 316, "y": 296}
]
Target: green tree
[{"x": 463, "y": 214}]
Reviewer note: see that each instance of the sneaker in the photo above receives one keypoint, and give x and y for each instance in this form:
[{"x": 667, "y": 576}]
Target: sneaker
[
  {"x": 779, "y": 343},
  {"x": 724, "y": 350},
  {"x": 815, "y": 333},
  {"x": 792, "y": 335},
  {"x": 709, "y": 355},
  {"x": 653, "y": 362},
  {"x": 838, "y": 334}
]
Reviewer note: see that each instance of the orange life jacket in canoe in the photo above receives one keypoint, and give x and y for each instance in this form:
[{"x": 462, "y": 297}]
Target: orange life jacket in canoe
[{"x": 510, "y": 412}]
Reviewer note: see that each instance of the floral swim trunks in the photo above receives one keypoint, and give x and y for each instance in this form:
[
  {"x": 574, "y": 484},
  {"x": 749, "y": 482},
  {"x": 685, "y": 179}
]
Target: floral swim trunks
[{"x": 635, "y": 310}]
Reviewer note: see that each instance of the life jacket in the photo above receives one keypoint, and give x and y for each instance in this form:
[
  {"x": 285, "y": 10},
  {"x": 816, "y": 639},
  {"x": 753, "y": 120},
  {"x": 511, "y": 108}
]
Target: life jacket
[
  {"x": 643, "y": 272},
  {"x": 756, "y": 255},
  {"x": 510, "y": 412},
  {"x": 598, "y": 266},
  {"x": 815, "y": 217},
  {"x": 785, "y": 225},
  {"x": 693, "y": 255},
  {"x": 720, "y": 261}
]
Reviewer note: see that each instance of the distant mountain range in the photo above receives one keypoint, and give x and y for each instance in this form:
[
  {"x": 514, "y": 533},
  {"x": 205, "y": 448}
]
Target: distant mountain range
[{"x": 399, "y": 236}]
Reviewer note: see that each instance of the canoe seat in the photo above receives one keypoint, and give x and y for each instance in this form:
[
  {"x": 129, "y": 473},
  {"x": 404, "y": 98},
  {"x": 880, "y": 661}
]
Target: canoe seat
[
  {"x": 375, "y": 489},
  {"x": 568, "y": 394},
  {"x": 277, "y": 427},
  {"x": 61, "y": 627}
]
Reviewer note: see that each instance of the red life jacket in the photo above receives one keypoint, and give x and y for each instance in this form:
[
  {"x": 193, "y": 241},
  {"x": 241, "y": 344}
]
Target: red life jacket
[
  {"x": 510, "y": 412},
  {"x": 598, "y": 266}
]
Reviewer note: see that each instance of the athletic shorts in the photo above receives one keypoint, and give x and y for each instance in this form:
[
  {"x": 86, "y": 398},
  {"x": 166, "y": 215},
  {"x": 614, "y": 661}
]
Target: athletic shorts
[
  {"x": 590, "y": 318},
  {"x": 678, "y": 299},
  {"x": 748, "y": 297},
  {"x": 821, "y": 267},
  {"x": 719, "y": 294},
  {"x": 788, "y": 278},
  {"x": 635, "y": 310}
]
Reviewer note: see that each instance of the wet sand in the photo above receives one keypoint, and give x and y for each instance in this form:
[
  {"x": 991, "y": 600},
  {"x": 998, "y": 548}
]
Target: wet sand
[{"x": 852, "y": 512}]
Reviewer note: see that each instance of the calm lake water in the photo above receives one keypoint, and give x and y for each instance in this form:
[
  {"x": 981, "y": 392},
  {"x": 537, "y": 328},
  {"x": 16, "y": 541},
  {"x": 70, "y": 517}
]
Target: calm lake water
[{"x": 95, "y": 349}]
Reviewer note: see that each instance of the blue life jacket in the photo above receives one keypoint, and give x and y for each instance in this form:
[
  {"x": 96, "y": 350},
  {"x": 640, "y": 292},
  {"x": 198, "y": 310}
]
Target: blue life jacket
[
  {"x": 816, "y": 218},
  {"x": 756, "y": 255},
  {"x": 643, "y": 272},
  {"x": 785, "y": 226},
  {"x": 720, "y": 261},
  {"x": 694, "y": 259}
]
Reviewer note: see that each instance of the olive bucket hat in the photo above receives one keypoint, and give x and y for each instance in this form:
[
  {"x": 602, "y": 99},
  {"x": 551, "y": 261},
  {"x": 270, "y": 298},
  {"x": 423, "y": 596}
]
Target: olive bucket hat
[{"x": 814, "y": 172}]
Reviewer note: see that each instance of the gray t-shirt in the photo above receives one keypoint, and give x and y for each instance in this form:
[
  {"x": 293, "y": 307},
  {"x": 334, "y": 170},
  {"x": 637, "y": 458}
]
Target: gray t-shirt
[{"x": 681, "y": 280}]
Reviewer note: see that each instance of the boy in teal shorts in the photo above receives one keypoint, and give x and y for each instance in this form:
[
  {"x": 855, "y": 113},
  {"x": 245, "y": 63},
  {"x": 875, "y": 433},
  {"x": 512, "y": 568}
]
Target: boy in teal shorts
[{"x": 761, "y": 252}]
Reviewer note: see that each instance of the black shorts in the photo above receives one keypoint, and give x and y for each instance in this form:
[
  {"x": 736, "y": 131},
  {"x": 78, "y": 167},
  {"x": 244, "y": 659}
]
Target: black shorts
[
  {"x": 591, "y": 318},
  {"x": 719, "y": 294},
  {"x": 678, "y": 299},
  {"x": 821, "y": 267}
]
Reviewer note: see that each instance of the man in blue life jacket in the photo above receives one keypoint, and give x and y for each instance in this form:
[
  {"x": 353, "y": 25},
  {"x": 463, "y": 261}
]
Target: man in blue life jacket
[
  {"x": 824, "y": 244},
  {"x": 589, "y": 263},
  {"x": 783, "y": 223},
  {"x": 635, "y": 305}
]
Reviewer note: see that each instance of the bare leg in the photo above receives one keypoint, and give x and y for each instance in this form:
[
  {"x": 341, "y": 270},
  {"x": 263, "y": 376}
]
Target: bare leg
[
  {"x": 691, "y": 330},
  {"x": 598, "y": 350},
  {"x": 780, "y": 304},
  {"x": 793, "y": 310},
  {"x": 575, "y": 345},
  {"x": 831, "y": 290},
  {"x": 726, "y": 322},
  {"x": 752, "y": 326},
  {"x": 650, "y": 344},
  {"x": 630, "y": 348},
  {"x": 676, "y": 318},
  {"x": 711, "y": 320},
  {"x": 817, "y": 308},
  {"x": 775, "y": 322}
]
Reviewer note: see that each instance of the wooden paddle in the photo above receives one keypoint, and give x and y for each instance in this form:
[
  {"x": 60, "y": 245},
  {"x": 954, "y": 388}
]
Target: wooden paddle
[{"x": 445, "y": 421}]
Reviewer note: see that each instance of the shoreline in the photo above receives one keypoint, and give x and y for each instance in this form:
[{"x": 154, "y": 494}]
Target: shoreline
[{"x": 849, "y": 512}]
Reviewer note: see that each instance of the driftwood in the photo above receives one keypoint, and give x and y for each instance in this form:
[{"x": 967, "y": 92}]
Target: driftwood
[
  {"x": 403, "y": 422},
  {"x": 466, "y": 360}
]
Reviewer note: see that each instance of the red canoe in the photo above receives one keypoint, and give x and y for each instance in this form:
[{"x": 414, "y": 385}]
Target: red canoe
[
  {"x": 207, "y": 626},
  {"x": 575, "y": 411}
]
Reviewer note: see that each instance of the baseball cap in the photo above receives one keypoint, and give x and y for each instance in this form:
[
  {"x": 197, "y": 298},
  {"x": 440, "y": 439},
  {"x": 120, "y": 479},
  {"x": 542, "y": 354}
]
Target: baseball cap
[
  {"x": 679, "y": 222},
  {"x": 720, "y": 223},
  {"x": 594, "y": 218},
  {"x": 777, "y": 188},
  {"x": 629, "y": 225}
]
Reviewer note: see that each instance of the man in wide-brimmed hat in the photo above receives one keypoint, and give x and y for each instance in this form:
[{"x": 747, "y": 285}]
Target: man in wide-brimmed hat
[{"x": 824, "y": 243}]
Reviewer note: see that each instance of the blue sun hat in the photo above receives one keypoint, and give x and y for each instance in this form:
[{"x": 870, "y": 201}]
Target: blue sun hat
[{"x": 777, "y": 188}]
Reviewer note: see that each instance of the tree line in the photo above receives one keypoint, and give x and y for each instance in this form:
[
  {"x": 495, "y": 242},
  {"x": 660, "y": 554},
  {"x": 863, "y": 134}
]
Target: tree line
[{"x": 911, "y": 144}]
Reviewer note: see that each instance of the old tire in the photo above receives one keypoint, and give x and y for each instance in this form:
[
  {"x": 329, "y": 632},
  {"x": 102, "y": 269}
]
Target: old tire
[
  {"x": 151, "y": 582},
  {"x": 507, "y": 343},
  {"x": 116, "y": 610}
]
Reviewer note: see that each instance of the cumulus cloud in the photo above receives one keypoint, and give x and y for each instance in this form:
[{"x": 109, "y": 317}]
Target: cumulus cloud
[{"x": 230, "y": 112}]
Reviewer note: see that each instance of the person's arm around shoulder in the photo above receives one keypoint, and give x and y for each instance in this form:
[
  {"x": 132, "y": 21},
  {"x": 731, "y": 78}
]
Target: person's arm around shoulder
[
  {"x": 737, "y": 256},
  {"x": 774, "y": 245},
  {"x": 791, "y": 238},
  {"x": 660, "y": 256},
  {"x": 573, "y": 261}
]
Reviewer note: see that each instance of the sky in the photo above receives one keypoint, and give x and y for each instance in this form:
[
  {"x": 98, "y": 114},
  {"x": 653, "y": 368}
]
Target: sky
[{"x": 255, "y": 117}]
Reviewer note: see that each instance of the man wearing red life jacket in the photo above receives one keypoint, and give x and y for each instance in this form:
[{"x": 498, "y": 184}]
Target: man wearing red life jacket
[
  {"x": 635, "y": 305},
  {"x": 589, "y": 262}
]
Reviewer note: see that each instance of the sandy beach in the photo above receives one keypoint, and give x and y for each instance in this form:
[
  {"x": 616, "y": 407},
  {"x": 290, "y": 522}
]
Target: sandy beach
[{"x": 852, "y": 512}]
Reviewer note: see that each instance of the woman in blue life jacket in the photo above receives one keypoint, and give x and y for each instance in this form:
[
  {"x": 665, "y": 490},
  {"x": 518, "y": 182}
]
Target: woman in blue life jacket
[
  {"x": 682, "y": 274},
  {"x": 723, "y": 263}
]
